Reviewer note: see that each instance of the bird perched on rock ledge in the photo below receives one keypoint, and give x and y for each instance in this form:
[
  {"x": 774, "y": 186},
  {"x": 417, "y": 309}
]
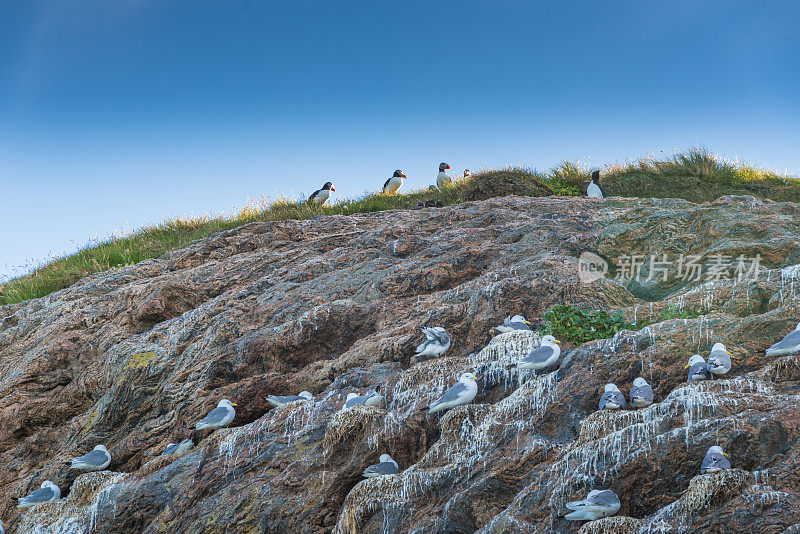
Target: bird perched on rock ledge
[
  {"x": 436, "y": 343},
  {"x": 370, "y": 398},
  {"x": 219, "y": 417},
  {"x": 719, "y": 361},
  {"x": 788, "y": 345},
  {"x": 510, "y": 324},
  {"x": 612, "y": 398},
  {"x": 282, "y": 400},
  {"x": 599, "y": 503},
  {"x": 97, "y": 460},
  {"x": 715, "y": 460},
  {"x": 641, "y": 393},
  {"x": 462, "y": 393},
  {"x": 47, "y": 492},
  {"x": 386, "y": 466},
  {"x": 698, "y": 369}
]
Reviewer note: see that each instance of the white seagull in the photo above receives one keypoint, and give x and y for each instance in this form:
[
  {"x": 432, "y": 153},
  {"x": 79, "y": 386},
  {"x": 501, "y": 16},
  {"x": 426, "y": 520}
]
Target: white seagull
[
  {"x": 595, "y": 190},
  {"x": 788, "y": 345},
  {"x": 393, "y": 184},
  {"x": 219, "y": 417},
  {"x": 715, "y": 460},
  {"x": 719, "y": 361},
  {"x": 387, "y": 466},
  {"x": 599, "y": 503},
  {"x": 462, "y": 393},
  {"x": 48, "y": 492},
  {"x": 283, "y": 400},
  {"x": 612, "y": 398},
  {"x": 370, "y": 398},
  {"x": 321, "y": 196},
  {"x": 178, "y": 448},
  {"x": 97, "y": 460},
  {"x": 436, "y": 343},
  {"x": 698, "y": 369},
  {"x": 510, "y": 324},
  {"x": 641, "y": 393},
  {"x": 542, "y": 357},
  {"x": 443, "y": 179}
]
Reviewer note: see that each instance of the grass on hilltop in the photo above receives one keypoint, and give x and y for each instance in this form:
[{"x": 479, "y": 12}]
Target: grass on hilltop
[{"x": 696, "y": 176}]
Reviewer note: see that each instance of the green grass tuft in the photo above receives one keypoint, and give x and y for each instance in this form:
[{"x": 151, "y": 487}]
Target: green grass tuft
[{"x": 696, "y": 175}]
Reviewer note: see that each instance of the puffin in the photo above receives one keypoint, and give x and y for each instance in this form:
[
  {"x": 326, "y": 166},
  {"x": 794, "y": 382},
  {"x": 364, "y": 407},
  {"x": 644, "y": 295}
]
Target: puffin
[
  {"x": 443, "y": 179},
  {"x": 466, "y": 174},
  {"x": 595, "y": 190},
  {"x": 321, "y": 196},
  {"x": 393, "y": 184}
]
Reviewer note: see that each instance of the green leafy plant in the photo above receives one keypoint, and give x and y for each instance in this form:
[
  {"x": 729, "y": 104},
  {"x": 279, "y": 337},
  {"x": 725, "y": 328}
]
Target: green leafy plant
[{"x": 579, "y": 326}]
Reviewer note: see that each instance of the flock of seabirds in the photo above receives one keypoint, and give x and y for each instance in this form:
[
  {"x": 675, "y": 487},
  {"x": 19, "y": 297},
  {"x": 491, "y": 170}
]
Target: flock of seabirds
[
  {"x": 443, "y": 180},
  {"x": 597, "y": 504}
]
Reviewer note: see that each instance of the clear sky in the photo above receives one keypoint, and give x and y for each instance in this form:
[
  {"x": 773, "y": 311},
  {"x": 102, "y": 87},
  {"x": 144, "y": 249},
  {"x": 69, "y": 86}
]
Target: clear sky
[{"x": 116, "y": 114}]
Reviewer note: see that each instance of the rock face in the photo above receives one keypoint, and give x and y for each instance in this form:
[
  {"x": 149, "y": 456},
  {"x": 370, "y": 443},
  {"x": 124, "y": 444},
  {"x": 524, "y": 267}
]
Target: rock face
[{"x": 132, "y": 358}]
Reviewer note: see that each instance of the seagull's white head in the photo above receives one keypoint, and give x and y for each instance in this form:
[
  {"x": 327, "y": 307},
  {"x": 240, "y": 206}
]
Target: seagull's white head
[
  {"x": 306, "y": 395},
  {"x": 717, "y": 449},
  {"x": 467, "y": 376},
  {"x": 226, "y": 403},
  {"x": 695, "y": 359},
  {"x": 639, "y": 382},
  {"x": 47, "y": 483},
  {"x": 519, "y": 319},
  {"x": 101, "y": 448},
  {"x": 549, "y": 340},
  {"x": 719, "y": 347},
  {"x": 386, "y": 458},
  {"x": 351, "y": 396},
  {"x": 594, "y": 492},
  {"x": 611, "y": 387}
]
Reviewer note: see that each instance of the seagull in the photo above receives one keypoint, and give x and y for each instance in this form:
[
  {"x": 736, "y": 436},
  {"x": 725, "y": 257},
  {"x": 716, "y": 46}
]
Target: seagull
[
  {"x": 97, "y": 460},
  {"x": 462, "y": 393},
  {"x": 542, "y": 357},
  {"x": 283, "y": 400},
  {"x": 599, "y": 503},
  {"x": 436, "y": 344},
  {"x": 719, "y": 361},
  {"x": 510, "y": 324},
  {"x": 387, "y": 466},
  {"x": 698, "y": 369},
  {"x": 715, "y": 460},
  {"x": 48, "y": 492},
  {"x": 641, "y": 393},
  {"x": 393, "y": 184},
  {"x": 370, "y": 398},
  {"x": 443, "y": 179},
  {"x": 321, "y": 196},
  {"x": 612, "y": 398},
  {"x": 178, "y": 448},
  {"x": 219, "y": 417},
  {"x": 595, "y": 190},
  {"x": 788, "y": 345}
]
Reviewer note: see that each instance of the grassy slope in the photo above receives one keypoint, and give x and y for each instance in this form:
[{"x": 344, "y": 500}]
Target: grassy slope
[{"x": 695, "y": 176}]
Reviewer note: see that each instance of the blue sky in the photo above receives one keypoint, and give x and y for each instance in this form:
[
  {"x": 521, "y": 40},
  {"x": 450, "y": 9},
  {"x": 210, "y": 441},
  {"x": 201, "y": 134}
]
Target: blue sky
[{"x": 114, "y": 115}]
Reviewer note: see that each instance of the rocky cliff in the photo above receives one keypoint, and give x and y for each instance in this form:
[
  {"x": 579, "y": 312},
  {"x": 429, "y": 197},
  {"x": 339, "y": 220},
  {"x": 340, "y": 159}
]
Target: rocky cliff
[{"x": 133, "y": 357}]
